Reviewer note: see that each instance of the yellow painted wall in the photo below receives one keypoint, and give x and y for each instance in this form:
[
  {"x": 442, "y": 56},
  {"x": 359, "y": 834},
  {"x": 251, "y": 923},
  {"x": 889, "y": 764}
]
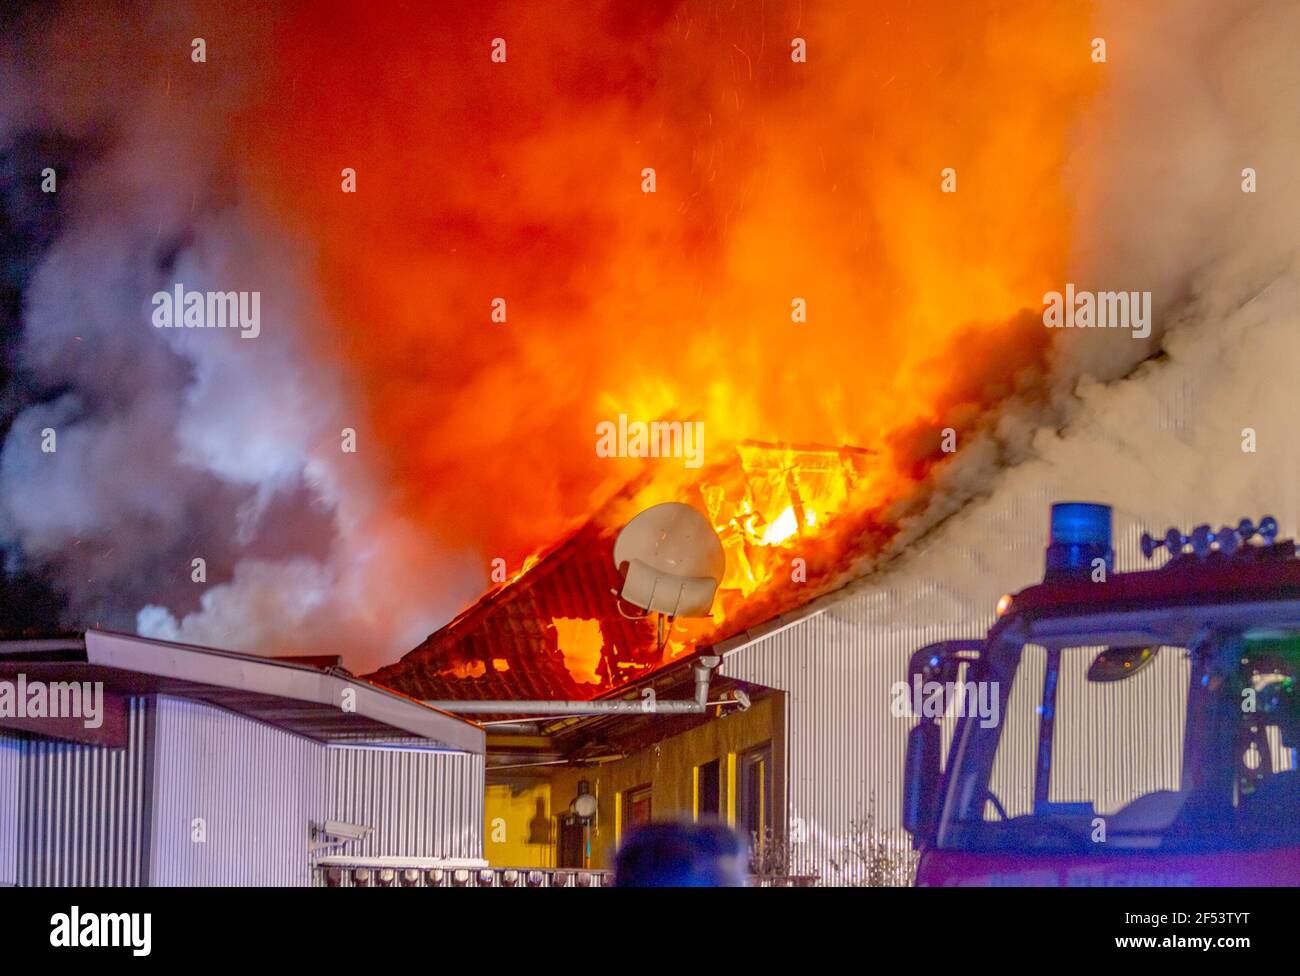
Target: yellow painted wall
[
  {"x": 669, "y": 767},
  {"x": 518, "y": 829}
]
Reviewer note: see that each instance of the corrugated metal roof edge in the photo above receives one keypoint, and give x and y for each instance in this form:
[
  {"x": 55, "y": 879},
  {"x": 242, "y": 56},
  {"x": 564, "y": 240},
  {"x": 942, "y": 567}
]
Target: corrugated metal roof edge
[
  {"x": 232, "y": 669},
  {"x": 43, "y": 645}
]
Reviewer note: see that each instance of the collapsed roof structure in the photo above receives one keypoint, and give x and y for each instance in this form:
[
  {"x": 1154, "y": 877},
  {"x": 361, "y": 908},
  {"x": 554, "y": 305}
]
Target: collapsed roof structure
[{"x": 556, "y": 631}]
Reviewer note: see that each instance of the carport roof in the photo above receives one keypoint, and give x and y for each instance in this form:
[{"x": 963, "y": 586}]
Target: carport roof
[{"x": 327, "y": 705}]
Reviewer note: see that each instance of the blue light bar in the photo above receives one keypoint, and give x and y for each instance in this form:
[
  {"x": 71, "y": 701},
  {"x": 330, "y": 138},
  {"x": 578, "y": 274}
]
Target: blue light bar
[{"x": 1080, "y": 534}]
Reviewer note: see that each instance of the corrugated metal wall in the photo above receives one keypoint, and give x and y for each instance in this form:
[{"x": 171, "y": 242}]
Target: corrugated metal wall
[
  {"x": 844, "y": 750},
  {"x": 81, "y": 810},
  {"x": 420, "y": 802},
  {"x": 202, "y": 796},
  {"x": 247, "y": 789},
  {"x": 844, "y": 747},
  {"x": 11, "y": 760}
]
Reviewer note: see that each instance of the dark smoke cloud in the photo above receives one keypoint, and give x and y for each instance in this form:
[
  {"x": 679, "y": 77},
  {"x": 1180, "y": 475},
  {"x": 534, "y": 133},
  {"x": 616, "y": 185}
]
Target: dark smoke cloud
[{"x": 173, "y": 444}]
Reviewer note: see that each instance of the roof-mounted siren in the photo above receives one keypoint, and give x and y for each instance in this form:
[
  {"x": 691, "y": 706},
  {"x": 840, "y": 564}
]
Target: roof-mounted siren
[
  {"x": 1229, "y": 540},
  {"x": 1080, "y": 535},
  {"x": 671, "y": 561}
]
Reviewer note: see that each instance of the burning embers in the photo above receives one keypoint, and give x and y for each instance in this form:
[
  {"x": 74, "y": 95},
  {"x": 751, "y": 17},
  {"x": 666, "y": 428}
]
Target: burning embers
[
  {"x": 656, "y": 439},
  {"x": 554, "y": 629},
  {"x": 581, "y": 643},
  {"x": 770, "y": 498}
]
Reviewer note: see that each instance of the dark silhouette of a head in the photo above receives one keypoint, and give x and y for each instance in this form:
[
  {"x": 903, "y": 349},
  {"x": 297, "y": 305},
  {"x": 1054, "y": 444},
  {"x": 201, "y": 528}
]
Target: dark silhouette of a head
[{"x": 681, "y": 855}]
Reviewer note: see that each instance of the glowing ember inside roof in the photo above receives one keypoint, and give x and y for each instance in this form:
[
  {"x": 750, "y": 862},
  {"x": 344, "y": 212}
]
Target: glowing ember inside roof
[{"x": 789, "y": 521}]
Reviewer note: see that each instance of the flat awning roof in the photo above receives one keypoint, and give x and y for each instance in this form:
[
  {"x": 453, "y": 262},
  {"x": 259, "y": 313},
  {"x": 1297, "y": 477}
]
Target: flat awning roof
[{"x": 327, "y": 706}]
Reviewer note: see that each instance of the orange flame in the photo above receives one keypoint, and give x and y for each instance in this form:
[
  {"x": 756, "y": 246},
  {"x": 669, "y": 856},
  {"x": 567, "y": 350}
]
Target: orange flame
[
  {"x": 779, "y": 184},
  {"x": 580, "y": 641}
]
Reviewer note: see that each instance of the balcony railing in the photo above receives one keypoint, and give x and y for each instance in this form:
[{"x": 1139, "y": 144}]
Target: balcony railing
[{"x": 379, "y": 876}]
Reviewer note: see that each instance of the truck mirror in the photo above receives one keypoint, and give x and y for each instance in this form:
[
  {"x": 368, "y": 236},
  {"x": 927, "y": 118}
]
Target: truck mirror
[
  {"x": 921, "y": 782},
  {"x": 940, "y": 661}
]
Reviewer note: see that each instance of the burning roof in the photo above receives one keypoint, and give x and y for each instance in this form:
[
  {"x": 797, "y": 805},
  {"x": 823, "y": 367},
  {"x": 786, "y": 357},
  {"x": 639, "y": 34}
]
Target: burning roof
[{"x": 790, "y": 523}]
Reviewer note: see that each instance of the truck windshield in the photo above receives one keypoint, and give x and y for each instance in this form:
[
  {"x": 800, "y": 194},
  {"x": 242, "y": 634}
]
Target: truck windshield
[{"x": 1159, "y": 747}]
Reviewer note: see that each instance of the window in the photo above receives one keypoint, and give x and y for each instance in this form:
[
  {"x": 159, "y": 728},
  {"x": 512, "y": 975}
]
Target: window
[
  {"x": 708, "y": 790},
  {"x": 636, "y": 807},
  {"x": 1112, "y": 741},
  {"x": 754, "y": 809},
  {"x": 572, "y": 844},
  {"x": 1120, "y": 740},
  {"x": 1147, "y": 746},
  {"x": 1089, "y": 736}
]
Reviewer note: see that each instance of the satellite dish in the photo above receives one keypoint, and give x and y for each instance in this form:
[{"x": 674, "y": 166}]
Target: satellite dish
[{"x": 671, "y": 561}]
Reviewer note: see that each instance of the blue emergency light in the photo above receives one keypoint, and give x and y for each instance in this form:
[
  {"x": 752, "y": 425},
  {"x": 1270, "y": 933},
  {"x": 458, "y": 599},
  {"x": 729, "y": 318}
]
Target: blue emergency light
[{"x": 1080, "y": 535}]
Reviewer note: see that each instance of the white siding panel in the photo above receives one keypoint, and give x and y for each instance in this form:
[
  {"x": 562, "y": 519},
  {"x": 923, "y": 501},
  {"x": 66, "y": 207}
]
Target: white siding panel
[
  {"x": 420, "y": 802},
  {"x": 11, "y": 759},
  {"x": 251, "y": 789},
  {"x": 82, "y": 810}
]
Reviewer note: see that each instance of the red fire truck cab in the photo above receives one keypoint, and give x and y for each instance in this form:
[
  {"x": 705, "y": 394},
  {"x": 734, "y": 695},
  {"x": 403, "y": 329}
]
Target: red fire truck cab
[{"x": 1144, "y": 725}]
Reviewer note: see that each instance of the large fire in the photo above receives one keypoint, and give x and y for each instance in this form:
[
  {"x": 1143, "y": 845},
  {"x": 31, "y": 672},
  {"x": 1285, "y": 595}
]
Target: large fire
[
  {"x": 771, "y": 505},
  {"x": 779, "y": 185}
]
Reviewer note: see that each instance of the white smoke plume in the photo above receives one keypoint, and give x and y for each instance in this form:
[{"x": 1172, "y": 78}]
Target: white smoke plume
[
  {"x": 177, "y": 444},
  {"x": 1197, "y": 92}
]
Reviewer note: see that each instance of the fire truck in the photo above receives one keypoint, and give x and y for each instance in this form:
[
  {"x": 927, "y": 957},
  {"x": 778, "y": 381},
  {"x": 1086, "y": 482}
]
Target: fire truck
[{"x": 1147, "y": 722}]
